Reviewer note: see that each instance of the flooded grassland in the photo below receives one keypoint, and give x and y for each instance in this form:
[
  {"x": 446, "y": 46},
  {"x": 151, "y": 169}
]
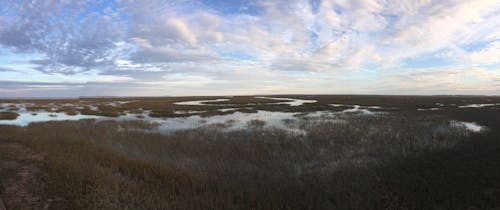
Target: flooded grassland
[{"x": 261, "y": 152}]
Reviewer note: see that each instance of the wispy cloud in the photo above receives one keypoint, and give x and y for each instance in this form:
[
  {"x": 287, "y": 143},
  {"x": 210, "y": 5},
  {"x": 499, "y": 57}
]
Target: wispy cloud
[{"x": 246, "y": 47}]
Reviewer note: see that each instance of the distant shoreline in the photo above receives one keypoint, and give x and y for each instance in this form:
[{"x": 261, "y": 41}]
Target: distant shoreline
[{"x": 356, "y": 95}]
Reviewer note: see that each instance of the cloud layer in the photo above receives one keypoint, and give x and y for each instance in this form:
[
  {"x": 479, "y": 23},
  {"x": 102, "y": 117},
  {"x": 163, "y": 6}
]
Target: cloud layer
[{"x": 171, "y": 47}]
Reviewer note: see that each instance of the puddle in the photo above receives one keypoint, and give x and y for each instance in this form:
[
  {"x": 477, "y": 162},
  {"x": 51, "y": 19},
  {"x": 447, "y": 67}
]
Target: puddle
[
  {"x": 477, "y": 105},
  {"x": 428, "y": 109},
  {"x": 188, "y": 112},
  {"x": 234, "y": 121},
  {"x": 201, "y": 102},
  {"x": 229, "y": 122},
  {"x": 470, "y": 126},
  {"x": 117, "y": 103},
  {"x": 228, "y": 109},
  {"x": 11, "y": 106},
  {"x": 358, "y": 108},
  {"x": 93, "y": 108},
  {"x": 338, "y": 105},
  {"x": 289, "y": 101},
  {"x": 26, "y": 118}
]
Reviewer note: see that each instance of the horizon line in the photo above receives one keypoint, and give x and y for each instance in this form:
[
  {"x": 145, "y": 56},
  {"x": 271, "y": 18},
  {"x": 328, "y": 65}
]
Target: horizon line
[{"x": 180, "y": 96}]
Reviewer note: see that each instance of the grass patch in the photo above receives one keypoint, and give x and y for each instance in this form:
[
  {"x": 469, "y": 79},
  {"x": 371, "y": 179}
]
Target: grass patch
[
  {"x": 112, "y": 165},
  {"x": 8, "y": 115},
  {"x": 402, "y": 160}
]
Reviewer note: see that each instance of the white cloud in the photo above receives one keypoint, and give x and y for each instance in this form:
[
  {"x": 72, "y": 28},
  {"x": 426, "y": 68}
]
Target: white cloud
[
  {"x": 487, "y": 55},
  {"x": 441, "y": 81},
  {"x": 179, "y": 30},
  {"x": 307, "y": 46},
  {"x": 443, "y": 24}
]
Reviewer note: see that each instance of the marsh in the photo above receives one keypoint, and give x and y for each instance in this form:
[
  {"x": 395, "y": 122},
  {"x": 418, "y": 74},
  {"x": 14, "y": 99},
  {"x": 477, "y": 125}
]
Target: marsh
[{"x": 252, "y": 152}]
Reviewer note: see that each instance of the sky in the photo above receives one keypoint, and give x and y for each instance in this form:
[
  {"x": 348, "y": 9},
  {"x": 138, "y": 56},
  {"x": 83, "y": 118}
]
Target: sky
[{"x": 66, "y": 48}]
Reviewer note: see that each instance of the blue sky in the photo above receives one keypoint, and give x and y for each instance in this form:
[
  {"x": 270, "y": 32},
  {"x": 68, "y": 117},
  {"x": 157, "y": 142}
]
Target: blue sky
[{"x": 64, "y": 48}]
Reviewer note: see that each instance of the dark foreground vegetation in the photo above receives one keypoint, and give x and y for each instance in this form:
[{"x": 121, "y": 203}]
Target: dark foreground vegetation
[{"x": 400, "y": 160}]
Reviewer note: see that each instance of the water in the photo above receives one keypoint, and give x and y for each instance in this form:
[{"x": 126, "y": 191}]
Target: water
[
  {"x": 188, "y": 112},
  {"x": 290, "y": 101},
  {"x": 233, "y": 121},
  {"x": 478, "y": 105},
  {"x": 200, "y": 102},
  {"x": 26, "y": 118},
  {"x": 228, "y": 109},
  {"x": 358, "y": 108},
  {"x": 470, "y": 126},
  {"x": 428, "y": 109}
]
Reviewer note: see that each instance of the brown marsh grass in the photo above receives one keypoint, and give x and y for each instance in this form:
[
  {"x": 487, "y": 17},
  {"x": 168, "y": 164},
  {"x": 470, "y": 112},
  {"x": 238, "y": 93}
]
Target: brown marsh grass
[
  {"x": 403, "y": 160},
  {"x": 114, "y": 165},
  {"x": 8, "y": 115}
]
